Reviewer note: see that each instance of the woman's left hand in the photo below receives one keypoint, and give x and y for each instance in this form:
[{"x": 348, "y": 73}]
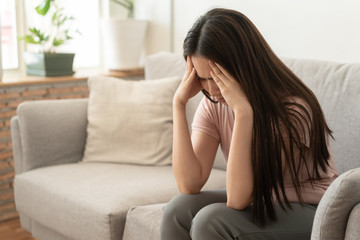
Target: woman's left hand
[{"x": 230, "y": 88}]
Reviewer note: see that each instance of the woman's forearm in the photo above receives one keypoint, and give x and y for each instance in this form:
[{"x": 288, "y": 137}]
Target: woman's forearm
[
  {"x": 239, "y": 176},
  {"x": 186, "y": 167}
]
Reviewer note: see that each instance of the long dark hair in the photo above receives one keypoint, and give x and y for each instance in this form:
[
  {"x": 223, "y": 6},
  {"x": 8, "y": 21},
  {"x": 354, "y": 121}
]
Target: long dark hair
[{"x": 229, "y": 38}]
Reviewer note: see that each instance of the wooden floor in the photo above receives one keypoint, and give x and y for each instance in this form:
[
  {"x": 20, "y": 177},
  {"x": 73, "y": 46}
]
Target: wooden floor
[{"x": 11, "y": 230}]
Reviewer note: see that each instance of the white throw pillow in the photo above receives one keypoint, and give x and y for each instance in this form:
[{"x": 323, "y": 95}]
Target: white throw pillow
[
  {"x": 164, "y": 64},
  {"x": 130, "y": 121}
]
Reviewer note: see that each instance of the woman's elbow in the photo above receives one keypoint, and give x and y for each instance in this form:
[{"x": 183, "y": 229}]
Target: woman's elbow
[
  {"x": 239, "y": 204},
  {"x": 184, "y": 189},
  {"x": 188, "y": 191}
]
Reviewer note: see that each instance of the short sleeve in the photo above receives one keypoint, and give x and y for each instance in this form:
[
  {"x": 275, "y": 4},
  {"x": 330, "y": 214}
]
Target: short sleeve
[
  {"x": 204, "y": 119},
  {"x": 301, "y": 116}
]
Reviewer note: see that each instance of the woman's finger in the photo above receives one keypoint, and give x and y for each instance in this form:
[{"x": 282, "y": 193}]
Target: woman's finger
[
  {"x": 215, "y": 69},
  {"x": 217, "y": 80},
  {"x": 189, "y": 67},
  {"x": 216, "y": 74},
  {"x": 224, "y": 71},
  {"x": 192, "y": 74}
]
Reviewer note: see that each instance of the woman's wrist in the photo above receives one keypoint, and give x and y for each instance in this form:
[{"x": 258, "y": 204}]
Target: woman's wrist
[
  {"x": 178, "y": 103},
  {"x": 243, "y": 112}
]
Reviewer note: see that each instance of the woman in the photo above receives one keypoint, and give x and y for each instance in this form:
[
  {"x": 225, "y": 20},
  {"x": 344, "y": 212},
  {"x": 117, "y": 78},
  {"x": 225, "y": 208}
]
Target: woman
[{"x": 271, "y": 129}]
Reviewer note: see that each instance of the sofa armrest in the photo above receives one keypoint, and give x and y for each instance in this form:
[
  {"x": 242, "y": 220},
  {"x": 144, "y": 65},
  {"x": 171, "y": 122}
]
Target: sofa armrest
[
  {"x": 352, "y": 228},
  {"x": 48, "y": 132},
  {"x": 335, "y": 207},
  {"x": 16, "y": 143}
]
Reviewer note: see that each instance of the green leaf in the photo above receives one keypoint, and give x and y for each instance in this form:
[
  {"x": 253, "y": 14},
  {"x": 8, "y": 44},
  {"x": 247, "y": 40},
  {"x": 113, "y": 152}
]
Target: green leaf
[
  {"x": 38, "y": 34},
  {"x": 57, "y": 42},
  {"x": 54, "y": 16},
  {"x": 30, "y": 39},
  {"x": 34, "y": 30},
  {"x": 44, "y": 7}
]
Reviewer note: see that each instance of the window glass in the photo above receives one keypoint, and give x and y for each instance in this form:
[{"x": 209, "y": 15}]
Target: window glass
[
  {"x": 86, "y": 45},
  {"x": 9, "y": 43},
  {"x": 86, "y": 13}
]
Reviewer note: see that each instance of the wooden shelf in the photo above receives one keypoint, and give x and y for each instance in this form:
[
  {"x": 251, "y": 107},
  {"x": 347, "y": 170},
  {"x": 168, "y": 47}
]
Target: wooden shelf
[
  {"x": 125, "y": 73},
  {"x": 81, "y": 75}
]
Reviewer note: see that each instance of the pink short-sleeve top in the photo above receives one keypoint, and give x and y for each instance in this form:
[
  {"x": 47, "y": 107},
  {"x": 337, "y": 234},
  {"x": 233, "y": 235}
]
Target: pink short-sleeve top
[{"x": 217, "y": 120}]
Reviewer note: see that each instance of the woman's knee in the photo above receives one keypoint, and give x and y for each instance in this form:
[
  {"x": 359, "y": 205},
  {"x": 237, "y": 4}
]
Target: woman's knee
[
  {"x": 178, "y": 214},
  {"x": 176, "y": 222},
  {"x": 208, "y": 223},
  {"x": 178, "y": 206},
  {"x": 179, "y": 211}
]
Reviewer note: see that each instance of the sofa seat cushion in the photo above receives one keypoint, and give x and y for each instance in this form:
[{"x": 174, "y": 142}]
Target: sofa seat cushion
[
  {"x": 90, "y": 200},
  {"x": 143, "y": 222}
]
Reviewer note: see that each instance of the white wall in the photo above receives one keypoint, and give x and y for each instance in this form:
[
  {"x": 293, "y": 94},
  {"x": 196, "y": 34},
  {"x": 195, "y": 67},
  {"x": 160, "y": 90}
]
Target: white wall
[
  {"x": 317, "y": 29},
  {"x": 158, "y": 12}
]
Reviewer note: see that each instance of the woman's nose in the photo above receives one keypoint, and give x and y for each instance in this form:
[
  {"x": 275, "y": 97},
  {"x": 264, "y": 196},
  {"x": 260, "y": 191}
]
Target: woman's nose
[{"x": 213, "y": 88}]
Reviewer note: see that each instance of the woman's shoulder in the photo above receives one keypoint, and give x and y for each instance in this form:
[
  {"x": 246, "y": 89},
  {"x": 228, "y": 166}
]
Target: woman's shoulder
[
  {"x": 298, "y": 105},
  {"x": 299, "y": 114}
]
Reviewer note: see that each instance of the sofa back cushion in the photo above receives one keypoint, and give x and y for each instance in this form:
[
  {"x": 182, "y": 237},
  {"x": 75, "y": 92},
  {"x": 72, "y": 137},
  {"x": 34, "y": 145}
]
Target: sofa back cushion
[{"x": 337, "y": 87}]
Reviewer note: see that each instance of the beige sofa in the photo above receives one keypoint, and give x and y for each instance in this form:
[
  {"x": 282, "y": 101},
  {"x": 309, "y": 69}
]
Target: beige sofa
[{"x": 59, "y": 196}]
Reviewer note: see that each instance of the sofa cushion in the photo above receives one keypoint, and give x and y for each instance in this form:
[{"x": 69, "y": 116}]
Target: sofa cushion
[
  {"x": 164, "y": 64},
  {"x": 336, "y": 85},
  {"x": 90, "y": 200},
  {"x": 143, "y": 222},
  {"x": 130, "y": 121}
]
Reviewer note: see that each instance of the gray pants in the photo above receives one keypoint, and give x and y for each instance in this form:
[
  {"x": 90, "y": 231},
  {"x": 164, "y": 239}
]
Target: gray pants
[{"x": 205, "y": 216}]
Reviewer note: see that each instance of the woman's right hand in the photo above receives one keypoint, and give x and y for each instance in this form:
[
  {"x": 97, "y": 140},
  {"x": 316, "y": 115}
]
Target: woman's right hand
[{"x": 189, "y": 86}]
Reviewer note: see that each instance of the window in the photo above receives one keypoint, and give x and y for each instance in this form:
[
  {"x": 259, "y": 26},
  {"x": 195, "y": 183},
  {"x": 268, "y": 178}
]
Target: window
[
  {"x": 86, "y": 46},
  {"x": 9, "y": 43}
]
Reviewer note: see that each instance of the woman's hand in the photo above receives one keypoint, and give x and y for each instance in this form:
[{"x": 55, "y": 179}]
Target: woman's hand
[
  {"x": 230, "y": 89},
  {"x": 189, "y": 86}
]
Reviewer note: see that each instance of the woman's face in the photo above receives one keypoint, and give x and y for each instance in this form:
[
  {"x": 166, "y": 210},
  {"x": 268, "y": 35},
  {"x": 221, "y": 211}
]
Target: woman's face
[{"x": 202, "y": 67}]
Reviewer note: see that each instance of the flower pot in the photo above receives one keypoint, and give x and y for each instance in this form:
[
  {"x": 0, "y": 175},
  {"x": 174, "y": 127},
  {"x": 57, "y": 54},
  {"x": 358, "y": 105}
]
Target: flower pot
[
  {"x": 49, "y": 64},
  {"x": 123, "y": 42}
]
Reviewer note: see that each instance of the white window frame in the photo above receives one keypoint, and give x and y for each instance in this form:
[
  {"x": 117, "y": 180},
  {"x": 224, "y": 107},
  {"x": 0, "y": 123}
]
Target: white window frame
[{"x": 19, "y": 13}]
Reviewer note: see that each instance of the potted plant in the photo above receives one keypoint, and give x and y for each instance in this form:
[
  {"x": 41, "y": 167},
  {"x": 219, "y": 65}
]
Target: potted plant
[
  {"x": 48, "y": 62},
  {"x": 123, "y": 38}
]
